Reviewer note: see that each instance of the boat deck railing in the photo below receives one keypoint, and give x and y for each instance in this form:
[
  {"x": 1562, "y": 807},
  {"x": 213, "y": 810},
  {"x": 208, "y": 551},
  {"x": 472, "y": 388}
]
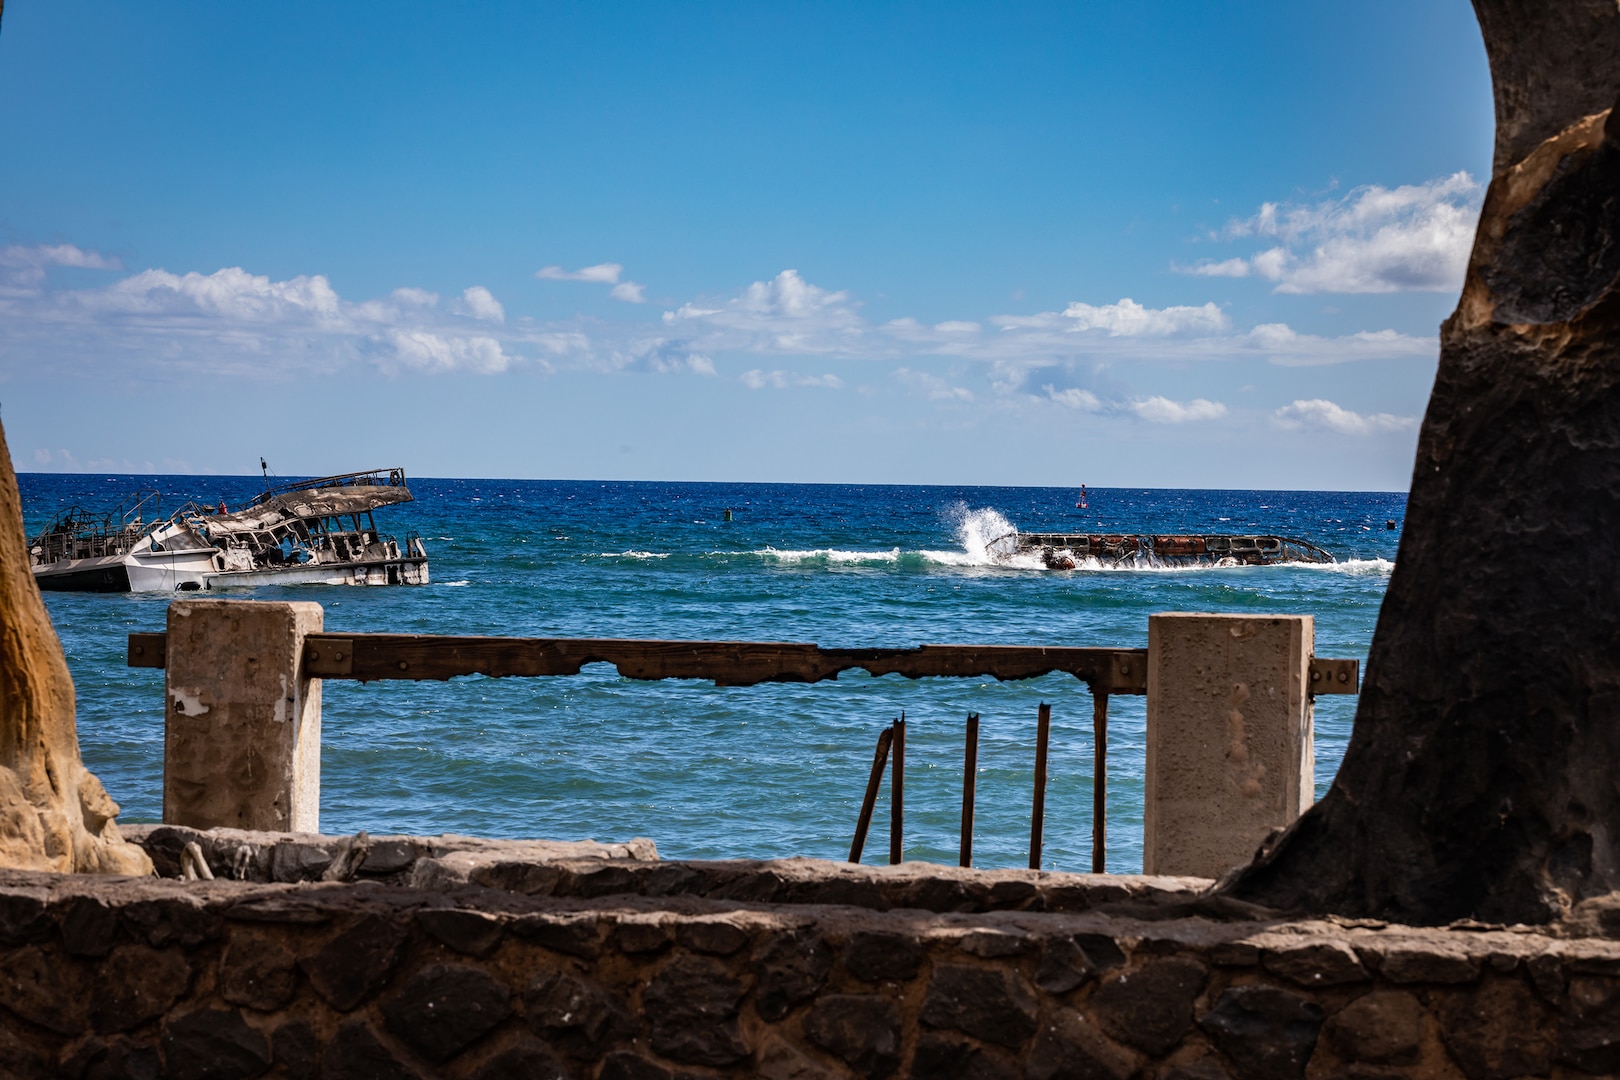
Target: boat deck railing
[{"x": 363, "y": 478}]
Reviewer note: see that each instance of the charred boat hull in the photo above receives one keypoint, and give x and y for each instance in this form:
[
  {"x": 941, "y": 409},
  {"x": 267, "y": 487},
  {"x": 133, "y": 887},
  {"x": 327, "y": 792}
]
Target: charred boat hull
[
  {"x": 132, "y": 573},
  {"x": 105, "y": 574},
  {"x": 1069, "y": 551},
  {"x": 313, "y": 532}
]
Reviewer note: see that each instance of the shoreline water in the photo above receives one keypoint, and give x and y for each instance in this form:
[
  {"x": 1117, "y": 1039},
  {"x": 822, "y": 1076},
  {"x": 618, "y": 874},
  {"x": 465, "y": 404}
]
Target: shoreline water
[{"x": 764, "y": 771}]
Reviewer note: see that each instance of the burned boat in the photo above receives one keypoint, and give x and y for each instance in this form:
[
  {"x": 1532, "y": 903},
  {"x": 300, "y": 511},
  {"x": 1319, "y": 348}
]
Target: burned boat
[
  {"x": 307, "y": 532},
  {"x": 1067, "y": 551}
]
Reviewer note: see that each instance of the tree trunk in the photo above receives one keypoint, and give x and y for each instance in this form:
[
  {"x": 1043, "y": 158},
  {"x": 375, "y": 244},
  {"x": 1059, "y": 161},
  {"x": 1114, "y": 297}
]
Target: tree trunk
[
  {"x": 54, "y": 814},
  {"x": 1482, "y": 778}
]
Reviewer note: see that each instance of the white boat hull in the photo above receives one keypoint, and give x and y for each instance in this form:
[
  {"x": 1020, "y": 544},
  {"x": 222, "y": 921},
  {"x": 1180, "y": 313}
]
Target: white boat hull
[{"x": 196, "y": 571}]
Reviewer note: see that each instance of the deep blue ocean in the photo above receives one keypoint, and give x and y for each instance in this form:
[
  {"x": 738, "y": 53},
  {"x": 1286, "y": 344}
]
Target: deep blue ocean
[{"x": 765, "y": 771}]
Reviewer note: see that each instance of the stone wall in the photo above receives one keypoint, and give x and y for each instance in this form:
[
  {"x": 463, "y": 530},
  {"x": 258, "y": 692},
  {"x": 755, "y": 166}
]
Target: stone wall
[{"x": 150, "y": 977}]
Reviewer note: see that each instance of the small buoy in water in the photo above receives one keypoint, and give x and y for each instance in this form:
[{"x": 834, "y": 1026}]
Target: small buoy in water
[
  {"x": 728, "y": 518},
  {"x": 1390, "y": 524}
]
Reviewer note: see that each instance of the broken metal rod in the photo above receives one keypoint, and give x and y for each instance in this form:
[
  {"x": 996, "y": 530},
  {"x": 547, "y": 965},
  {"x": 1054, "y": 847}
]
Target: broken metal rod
[
  {"x": 1043, "y": 733},
  {"x": 970, "y": 775},
  {"x": 897, "y": 794},
  {"x": 864, "y": 822},
  {"x": 1099, "y": 783}
]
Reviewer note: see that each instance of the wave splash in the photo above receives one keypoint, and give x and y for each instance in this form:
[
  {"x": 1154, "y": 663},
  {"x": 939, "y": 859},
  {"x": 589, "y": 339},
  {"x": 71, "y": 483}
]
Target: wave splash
[{"x": 977, "y": 532}]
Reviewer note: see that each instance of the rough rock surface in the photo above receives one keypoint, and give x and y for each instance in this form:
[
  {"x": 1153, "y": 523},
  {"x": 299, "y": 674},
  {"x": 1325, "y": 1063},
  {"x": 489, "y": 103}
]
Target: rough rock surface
[
  {"x": 234, "y": 979},
  {"x": 1479, "y": 777},
  {"x": 54, "y": 813},
  {"x": 586, "y": 870}
]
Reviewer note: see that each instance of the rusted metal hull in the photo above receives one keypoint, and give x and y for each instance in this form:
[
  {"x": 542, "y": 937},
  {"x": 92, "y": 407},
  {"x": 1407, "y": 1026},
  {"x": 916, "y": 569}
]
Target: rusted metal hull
[{"x": 1070, "y": 551}]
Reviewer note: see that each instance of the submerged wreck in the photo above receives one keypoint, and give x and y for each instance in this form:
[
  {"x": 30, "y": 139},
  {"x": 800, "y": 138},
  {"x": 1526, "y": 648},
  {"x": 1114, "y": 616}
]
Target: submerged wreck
[
  {"x": 309, "y": 532},
  {"x": 1067, "y": 551}
]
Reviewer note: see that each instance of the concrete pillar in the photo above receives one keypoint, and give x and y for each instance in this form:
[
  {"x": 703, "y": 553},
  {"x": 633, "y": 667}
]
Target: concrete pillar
[
  {"x": 1229, "y": 741},
  {"x": 242, "y": 741}
]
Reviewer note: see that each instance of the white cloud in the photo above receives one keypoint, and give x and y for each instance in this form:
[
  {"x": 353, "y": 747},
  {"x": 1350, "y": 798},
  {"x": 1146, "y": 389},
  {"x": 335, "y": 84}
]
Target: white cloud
[
  {"x": 481, "y": 304},
  {"x": 696, "y": 364},
  {"x": 250, "y": 325},
  {"x": 1075, "y": 398},
  {"x": 1123, "y": 319},
  {"x": 1129, "y": 319},
  {"x": 244, "y": 324},
  {"x": 662, "y": 356},
  {"x": 1161, "y": 410},
  {"x": 1286, "y": 347},
  {"x": 410, "y": 297},
  {"x": 786, "y": 314},
  {"x": 23, "y": 267},
  {"x": 932, "y": 387},
  {"x": 60, "y": 461},
  {"x": 600, "y": 274},
  {"x": 1413, "y": 238},
  {"x": 1319, "y": 413},
  {"x": 421, "y": 351},
  {"x": 232, "y": 294},
  {"x": 756, "y": 379},
  {"x": 1223, "y": 268}
]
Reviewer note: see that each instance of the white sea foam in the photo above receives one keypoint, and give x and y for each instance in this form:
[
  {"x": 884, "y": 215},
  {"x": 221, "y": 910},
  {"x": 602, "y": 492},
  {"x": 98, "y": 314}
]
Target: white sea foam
[
  {"x": 977, "y": 531},
  {"x": 832, "y": 555},
  {"x": 455, "y": 584},
  {"x": 983, "y": 534},
  {"x": 1354, "y": 567}
]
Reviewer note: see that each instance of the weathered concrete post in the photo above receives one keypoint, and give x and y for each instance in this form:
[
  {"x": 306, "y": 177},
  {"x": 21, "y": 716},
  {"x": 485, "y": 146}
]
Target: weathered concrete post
[
  {"x": 1229, "y": 739},
  {"x": 242, "y": 742}
]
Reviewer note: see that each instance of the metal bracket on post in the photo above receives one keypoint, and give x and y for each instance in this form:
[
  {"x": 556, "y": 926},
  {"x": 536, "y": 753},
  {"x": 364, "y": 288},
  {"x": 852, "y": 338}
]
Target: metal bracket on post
[
  {"x": 1335, "y": 676},
  {"x": 148, "y": 650},
  {"x": 1127, "y": 673},
  {"x": 328, "y": 657}
]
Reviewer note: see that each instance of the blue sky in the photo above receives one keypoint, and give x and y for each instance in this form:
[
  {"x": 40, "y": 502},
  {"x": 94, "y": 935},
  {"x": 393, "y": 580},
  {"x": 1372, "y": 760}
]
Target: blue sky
[{"x": 1173, "y": 244}]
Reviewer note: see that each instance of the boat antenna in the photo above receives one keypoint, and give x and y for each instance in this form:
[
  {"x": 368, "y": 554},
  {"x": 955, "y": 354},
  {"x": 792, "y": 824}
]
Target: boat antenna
[{"x": 265, "y": 469}]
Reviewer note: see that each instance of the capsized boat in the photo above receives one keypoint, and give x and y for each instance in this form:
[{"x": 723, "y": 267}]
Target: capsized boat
[
  {"x": 1066, "y": 551},
  {"x": 306, "y": 532}
]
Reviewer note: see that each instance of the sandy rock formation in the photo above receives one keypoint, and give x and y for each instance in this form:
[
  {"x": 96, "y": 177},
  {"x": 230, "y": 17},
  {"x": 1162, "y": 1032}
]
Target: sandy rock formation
[
  {"x": 1480, "y": 780},
  {"x": 54, "y": 814}
]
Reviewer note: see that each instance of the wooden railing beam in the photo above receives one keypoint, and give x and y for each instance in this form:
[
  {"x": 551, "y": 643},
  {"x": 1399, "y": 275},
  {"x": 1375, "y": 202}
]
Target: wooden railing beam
[{"x": 368, "y": 657}]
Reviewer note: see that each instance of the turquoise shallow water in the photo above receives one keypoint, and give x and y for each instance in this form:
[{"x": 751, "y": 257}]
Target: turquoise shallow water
[{"x": 730, "y": 772}]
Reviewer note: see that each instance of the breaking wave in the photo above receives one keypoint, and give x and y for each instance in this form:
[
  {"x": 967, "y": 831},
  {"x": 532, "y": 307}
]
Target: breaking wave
[
  {"x": 978, "y": 531},
  {"x": 827, "y": 555},
  {"x": 1353, "y": 567}
]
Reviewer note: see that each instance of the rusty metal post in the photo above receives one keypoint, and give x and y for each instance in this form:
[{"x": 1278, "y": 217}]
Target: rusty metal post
[
  {"x": 864, "y": 822},
  {"x": 970, "y": 776},
  {"x": 897, "y": 794},
  {"x": 1099, "y": 783},
  {"x": 1043, "y": 734}
]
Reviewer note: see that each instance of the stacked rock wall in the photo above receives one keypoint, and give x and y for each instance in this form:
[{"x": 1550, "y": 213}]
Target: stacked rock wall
[{"x": 147, "y": 977}]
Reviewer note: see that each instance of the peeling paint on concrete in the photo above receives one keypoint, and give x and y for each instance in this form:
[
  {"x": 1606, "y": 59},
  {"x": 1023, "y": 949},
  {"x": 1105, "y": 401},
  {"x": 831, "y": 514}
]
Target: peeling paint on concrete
[{"x": 187, "y": 700}]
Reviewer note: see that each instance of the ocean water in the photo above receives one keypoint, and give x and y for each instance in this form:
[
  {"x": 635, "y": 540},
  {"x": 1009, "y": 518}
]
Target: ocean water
[{"x": 766, "y": 771}]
